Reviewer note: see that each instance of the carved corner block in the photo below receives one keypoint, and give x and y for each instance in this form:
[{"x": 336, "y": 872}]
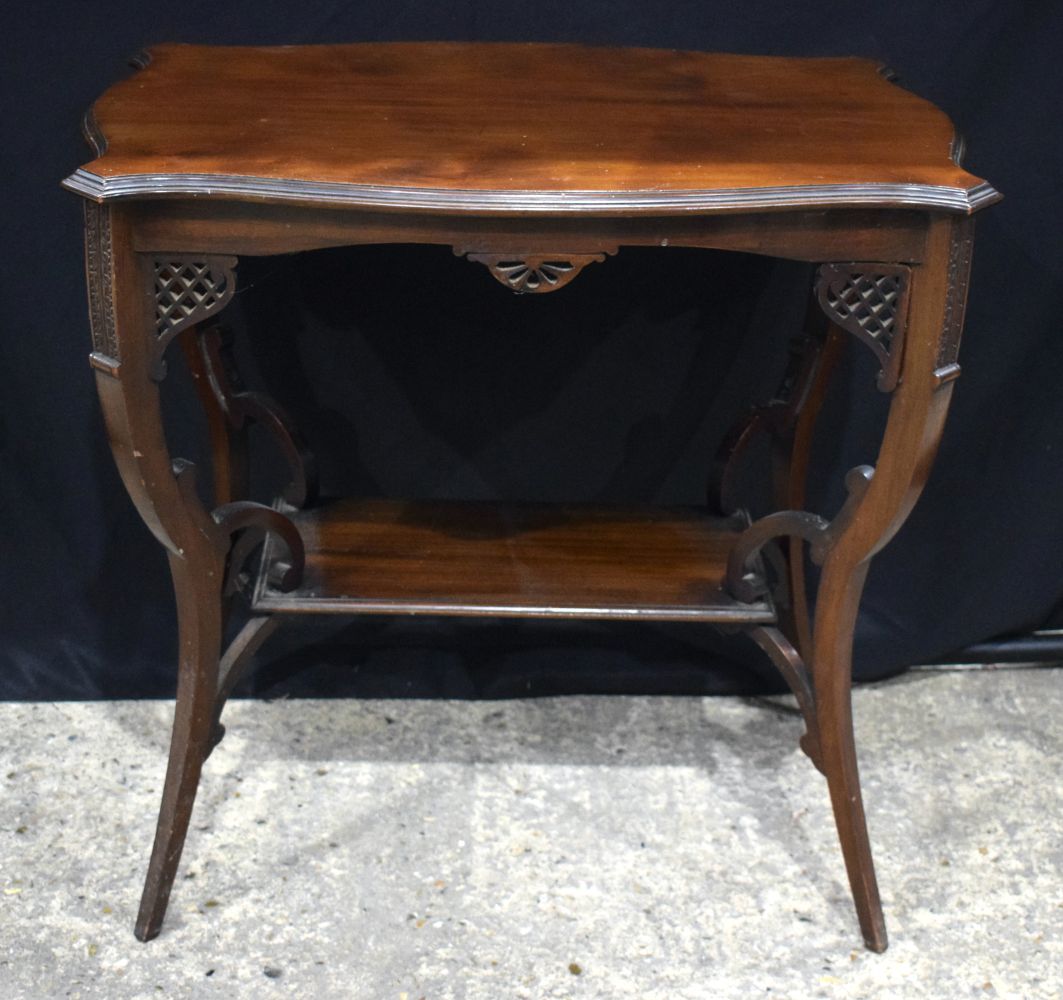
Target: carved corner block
[
  {"x": 98, "y": 277},
  {"x": 948, "y": 368},
  {"x": 869, "y": 301}
]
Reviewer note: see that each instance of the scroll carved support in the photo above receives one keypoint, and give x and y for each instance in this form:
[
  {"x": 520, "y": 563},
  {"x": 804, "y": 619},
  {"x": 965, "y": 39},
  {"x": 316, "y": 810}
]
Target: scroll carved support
[
  {"x": 743, "y": 581},
  {"x": 187, "y": 291},
  {"x": 211, "y": 357},
  {"x": 253, "y": 521},
  {"x": 778, "y": 418},
  {"x": 869, "y": 301},
  {"x": 746, "y": 585},
  {"x": 236, "y": 529},
  {"x": 534, "y": 272}
]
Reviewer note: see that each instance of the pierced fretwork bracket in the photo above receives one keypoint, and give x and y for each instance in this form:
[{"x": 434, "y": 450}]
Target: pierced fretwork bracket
[
  {"x": 743, "y": 581},
  {"x": 187, "y": 291},
  {"x": 540, "y": 272},
  {"x": 869, "y": 301}
]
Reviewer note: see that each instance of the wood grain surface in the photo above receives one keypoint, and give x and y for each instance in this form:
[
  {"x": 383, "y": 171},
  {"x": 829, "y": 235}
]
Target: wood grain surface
[
  {"x": 538, "y": 560},
  {"x": 522, "y": 127}
]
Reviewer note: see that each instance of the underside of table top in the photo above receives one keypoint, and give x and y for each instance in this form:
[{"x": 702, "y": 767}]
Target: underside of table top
[{"x": 526, "y": 128}]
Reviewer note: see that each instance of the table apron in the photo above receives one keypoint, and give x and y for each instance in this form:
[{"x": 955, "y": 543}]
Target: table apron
[{"x": 249, "y": 229}]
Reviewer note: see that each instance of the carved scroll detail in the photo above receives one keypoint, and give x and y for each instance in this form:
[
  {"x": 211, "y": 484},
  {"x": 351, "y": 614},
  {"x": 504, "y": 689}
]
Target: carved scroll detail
[
  {"x": 187, "y": 292},
  {"x": 743, "y": 581},
  {"x": 254, "y": 521},
  {"x": 543, "y": 272},
  {"x": 241, "y": 406},
  {"x": 98, "y": 265},
  {"x": 869, "y": 301},
  {"x": 236, "y": 529},
  {"x": 777, "y": 417}
]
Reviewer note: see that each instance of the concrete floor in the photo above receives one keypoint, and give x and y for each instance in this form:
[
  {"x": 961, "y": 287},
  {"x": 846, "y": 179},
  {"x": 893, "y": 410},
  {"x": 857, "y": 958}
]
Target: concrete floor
[{"x": 605, "y": 847}]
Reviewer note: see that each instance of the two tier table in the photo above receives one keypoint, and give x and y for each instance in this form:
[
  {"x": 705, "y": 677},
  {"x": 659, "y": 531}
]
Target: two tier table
[{"x": 534, "y": 162}]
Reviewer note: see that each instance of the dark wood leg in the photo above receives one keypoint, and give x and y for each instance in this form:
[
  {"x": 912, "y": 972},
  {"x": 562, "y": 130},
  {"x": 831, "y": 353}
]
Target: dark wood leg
[
  {"x": 126, "y": 338},
  {"x": 792, "y": 491},
  {"x": 838, "y": 602},
  {"x": 137, "y": 304},
  {"x": 919, "y": 368},
  {"x": 913, "y": 326},
  {"x": 199, "y": 611},
  {"x": 776, "y": 418}
]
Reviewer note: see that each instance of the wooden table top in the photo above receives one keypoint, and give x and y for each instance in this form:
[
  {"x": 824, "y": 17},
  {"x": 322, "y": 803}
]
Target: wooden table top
[{"x": 520, "y": 128}]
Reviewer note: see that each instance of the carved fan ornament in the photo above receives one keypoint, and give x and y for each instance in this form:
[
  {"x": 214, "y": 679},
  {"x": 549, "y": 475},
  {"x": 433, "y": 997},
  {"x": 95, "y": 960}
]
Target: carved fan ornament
[
  {"x": 871, "y": 302},
  {"x": 534, "y": 272}
]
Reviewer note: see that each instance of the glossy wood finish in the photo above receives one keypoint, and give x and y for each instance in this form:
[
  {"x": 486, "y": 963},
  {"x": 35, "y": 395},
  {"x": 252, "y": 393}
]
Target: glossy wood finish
[
  {"x": 514, "y": 560},
  {"x": 521, "y": 157},
  {"x": 522, "y": 127}
]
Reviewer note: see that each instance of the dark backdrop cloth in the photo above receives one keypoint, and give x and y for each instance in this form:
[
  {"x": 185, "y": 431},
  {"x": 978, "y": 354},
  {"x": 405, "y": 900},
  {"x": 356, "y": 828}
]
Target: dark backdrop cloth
[{"x": 415, "y": 375}]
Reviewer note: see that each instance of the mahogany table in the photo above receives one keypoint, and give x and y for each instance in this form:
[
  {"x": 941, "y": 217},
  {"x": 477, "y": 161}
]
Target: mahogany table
[{"x": 534, "y": 161}]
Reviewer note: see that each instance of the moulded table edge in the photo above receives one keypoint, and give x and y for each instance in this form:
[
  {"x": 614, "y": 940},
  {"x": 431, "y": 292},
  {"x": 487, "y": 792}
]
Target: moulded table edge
[{"x": 343, "y": 195}]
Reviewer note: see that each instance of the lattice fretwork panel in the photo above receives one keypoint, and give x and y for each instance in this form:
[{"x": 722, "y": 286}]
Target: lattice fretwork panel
[
  {"x": 187, "y": 291},
  {"x": 872, "y": 305},
  {"x": 868, "y": 300}
]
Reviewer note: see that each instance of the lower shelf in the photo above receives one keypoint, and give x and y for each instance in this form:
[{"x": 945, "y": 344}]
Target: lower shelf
[{"x": 525, "y": 560}]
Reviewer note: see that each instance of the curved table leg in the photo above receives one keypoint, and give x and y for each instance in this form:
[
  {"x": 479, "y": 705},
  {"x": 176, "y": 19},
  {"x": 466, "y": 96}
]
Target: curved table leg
[
  {"x": 199, "y": 617},
  {"x": 793, "y": 489},
  {"x": 136, "y": 306},
  {"x": 919, "y": 403},
  {"x": 911, "y": 317},
  {"x": 124, "y": 325},
  {"x": 837, "y": 606}
]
